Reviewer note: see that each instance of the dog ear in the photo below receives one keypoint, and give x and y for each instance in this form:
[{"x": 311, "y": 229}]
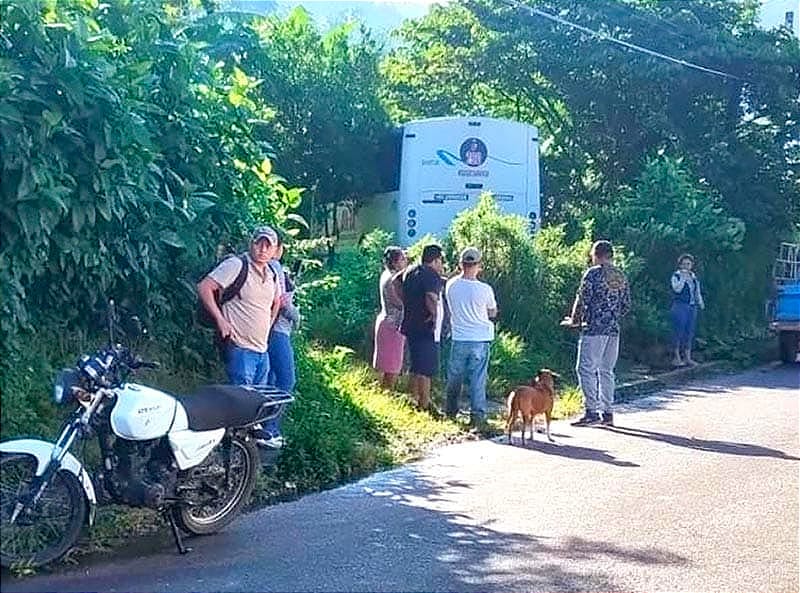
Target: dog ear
[{"x": 553, "y": 374}]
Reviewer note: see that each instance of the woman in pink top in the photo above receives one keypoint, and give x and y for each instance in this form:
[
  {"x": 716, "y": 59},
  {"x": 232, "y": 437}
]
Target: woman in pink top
[{"x": 389, "y": 342}]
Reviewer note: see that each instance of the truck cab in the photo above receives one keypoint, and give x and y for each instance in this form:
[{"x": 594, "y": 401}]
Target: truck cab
[{"x": 784, "y": 309}]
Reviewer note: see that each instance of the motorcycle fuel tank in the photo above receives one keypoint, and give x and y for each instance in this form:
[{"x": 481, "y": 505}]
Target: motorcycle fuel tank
[{"x": 142, "y": 413}]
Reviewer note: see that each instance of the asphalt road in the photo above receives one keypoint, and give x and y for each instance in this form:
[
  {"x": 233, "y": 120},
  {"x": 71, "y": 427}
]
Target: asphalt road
[{"x": 694, "y": 490}]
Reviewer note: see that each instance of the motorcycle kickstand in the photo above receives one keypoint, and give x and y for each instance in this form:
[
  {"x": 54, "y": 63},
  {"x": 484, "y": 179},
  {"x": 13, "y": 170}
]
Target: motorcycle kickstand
[{"x": 176, "y": 533}]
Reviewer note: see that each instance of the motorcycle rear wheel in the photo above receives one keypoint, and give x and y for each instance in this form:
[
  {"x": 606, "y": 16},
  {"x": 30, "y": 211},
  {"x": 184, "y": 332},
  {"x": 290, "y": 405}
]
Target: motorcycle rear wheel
[
  {"x": 55, "y": 523},
  {"x": 209, "y": 518}
]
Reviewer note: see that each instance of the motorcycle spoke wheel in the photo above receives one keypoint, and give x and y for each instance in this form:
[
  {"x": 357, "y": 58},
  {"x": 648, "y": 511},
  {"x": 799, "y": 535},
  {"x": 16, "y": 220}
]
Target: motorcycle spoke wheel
[
  {"x": 211, "y": 508},
  {"x": 53, "y": 524},
  {"x": 214, "y": 502}
]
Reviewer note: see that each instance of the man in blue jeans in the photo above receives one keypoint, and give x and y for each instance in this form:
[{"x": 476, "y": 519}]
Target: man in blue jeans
[
  {"x": 279, "y": 348},
  {"x": 472, "y": 307},
  {"x": 244, "y": 321}
]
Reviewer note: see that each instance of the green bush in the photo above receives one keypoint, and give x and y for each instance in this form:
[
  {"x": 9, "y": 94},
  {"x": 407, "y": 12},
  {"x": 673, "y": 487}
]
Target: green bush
[
  {"x": 510, "y": 364},
  {"x": 119, "y": 169},
  {"x": 534, "y": 279},
  {"x": 668, "y": 211},
  {"x": 509, "y": 260},
  {"x": 340, "y": 301},
  {"x": 515, "y": 362}
]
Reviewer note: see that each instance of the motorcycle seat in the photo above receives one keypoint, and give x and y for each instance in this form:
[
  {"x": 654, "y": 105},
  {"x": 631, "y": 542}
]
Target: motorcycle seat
[{"x": 232, "y": 406}]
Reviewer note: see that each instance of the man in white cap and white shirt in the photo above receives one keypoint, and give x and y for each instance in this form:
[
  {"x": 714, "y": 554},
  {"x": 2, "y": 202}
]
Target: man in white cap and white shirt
[
  {"x": 472, "y": 307},
  {"x": 244, "y": 321}
]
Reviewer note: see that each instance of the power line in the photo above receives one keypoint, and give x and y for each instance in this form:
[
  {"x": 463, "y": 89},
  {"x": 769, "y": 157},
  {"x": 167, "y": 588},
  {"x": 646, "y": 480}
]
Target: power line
[{"x": 606, "y": 37}]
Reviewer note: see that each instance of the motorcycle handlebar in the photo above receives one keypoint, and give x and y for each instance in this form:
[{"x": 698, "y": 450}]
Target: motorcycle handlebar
[{"x": 109, "y": 366}]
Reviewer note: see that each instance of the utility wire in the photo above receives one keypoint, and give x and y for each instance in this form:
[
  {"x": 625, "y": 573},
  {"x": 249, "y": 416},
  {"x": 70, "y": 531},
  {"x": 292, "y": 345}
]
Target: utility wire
[{"x": 606, "y": 37}]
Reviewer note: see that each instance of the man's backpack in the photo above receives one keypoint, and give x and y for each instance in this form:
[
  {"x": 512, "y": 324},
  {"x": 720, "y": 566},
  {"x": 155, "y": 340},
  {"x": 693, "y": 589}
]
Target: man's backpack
[{"x": 225, "y": 294}]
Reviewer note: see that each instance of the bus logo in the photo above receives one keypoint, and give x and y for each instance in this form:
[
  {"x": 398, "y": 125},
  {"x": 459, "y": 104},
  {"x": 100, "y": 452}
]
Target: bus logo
[{"x": 473, "y": 152}]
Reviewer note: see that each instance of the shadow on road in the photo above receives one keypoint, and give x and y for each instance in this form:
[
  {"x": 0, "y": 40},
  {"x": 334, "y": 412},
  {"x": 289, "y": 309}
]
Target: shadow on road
[
  {"x": 713, "y": 446},
  {"x": 396, "y": 532},
  {"x": 452, "y": 548},
  {"x": 570, "y": 452}
]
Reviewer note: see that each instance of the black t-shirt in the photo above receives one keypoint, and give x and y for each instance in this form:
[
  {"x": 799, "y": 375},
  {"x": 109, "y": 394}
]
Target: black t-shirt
[{"x": 417, "y": 281}]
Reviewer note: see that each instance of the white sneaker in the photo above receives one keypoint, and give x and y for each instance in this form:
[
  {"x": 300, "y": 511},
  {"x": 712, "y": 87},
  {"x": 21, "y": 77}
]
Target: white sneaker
[{"x": 273, "y": 442}]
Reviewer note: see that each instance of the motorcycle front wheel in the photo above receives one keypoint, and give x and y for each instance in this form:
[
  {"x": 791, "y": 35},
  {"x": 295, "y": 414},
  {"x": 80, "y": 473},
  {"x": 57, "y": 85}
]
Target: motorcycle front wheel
[
  {"x": 207, "y": 513},
  {"x": 50, "y": 528}
]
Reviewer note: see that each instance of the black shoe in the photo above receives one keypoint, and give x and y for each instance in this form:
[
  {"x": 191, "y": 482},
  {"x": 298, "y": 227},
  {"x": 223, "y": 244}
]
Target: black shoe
[
  {"x": 607, "y": 419},
  {"x": 589, "y": 419},
  {"x": 480, "y": 426}
]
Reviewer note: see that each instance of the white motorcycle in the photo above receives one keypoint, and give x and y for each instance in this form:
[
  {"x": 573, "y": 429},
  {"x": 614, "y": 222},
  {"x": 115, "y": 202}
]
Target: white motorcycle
[{"x": 191, "y": 457}]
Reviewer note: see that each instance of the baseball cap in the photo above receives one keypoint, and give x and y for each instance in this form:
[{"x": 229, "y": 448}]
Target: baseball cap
[
  {"x": 265, "y": 232},
  {"x": 471, "y": 255}
]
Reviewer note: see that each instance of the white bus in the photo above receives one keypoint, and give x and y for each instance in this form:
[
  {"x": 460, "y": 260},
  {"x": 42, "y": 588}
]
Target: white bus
[
  {"x": 446, "y": 163},
  {"x": 434, "y": 168}
]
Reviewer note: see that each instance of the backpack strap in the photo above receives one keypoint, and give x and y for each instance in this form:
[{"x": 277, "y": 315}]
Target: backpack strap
[
  {"x": 235, "y": 287},
  {"x": 274, "y": 272}
]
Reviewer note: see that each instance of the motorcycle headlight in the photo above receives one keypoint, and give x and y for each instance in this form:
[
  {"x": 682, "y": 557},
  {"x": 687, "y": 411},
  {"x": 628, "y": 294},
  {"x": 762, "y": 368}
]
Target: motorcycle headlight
[{"x": 65, "y": 385}]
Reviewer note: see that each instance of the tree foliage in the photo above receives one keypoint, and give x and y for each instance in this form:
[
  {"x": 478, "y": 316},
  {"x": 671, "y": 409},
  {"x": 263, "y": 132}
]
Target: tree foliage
[
  {"x": 322, "y": 88},
  {"x": 126, "y": 160},
  {"x": 601, "y": 108}
]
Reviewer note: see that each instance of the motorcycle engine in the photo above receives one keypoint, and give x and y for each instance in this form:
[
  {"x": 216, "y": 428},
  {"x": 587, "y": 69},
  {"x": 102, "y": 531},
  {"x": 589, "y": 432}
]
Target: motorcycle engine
[{"x": 145, "y": 473}]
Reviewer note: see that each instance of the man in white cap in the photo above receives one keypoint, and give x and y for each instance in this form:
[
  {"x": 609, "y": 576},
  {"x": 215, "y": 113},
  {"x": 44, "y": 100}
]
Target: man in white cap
[
  {"x": 472, "y": 307},
  {"x": 244, "y": 319}
]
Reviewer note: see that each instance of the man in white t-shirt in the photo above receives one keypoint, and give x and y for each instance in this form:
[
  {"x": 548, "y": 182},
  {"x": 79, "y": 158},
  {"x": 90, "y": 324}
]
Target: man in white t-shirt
[{"x": 472, "y": 307}]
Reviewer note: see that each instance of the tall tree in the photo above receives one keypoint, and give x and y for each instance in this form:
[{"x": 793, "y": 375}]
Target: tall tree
[
  {"x": 118, "y": 142},
  {"x": 327, "y": 120}
]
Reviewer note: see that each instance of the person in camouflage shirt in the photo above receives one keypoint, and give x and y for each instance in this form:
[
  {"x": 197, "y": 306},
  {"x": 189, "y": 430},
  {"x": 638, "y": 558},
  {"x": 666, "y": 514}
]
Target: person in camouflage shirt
[{"x": 602, "y": 300}]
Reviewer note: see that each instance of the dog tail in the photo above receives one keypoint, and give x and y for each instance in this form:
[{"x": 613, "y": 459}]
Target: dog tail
[{"x": 510, "y": 401}]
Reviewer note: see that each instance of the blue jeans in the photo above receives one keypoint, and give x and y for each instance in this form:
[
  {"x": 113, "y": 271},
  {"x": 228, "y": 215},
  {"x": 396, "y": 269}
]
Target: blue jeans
[
  {"x": 246, "y": 367},
  {"x": 281, "y": 372},
  {"x": 281, "y": 361},
  {"x": 684, "y": 320},
  {"x": 469, "y": 363}
]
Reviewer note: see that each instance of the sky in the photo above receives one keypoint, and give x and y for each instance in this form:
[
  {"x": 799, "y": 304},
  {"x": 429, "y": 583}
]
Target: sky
[{"x": 381, "y": 16}]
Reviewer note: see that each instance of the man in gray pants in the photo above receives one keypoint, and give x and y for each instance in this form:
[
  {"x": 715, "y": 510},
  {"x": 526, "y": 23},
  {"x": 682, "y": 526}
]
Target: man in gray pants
[{"x": 602, "y": 299}]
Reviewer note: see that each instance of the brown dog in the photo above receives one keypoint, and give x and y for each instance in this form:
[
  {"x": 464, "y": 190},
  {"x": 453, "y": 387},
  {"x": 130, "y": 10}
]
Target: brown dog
[{"x": 530, "y": 400}]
